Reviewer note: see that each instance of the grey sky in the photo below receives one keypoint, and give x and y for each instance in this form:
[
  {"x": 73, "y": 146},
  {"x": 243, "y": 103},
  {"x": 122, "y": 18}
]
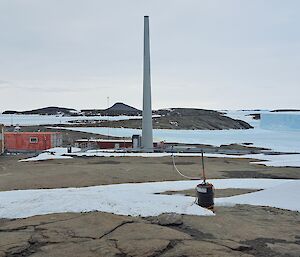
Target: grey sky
[{"x": 225, "y": 54}]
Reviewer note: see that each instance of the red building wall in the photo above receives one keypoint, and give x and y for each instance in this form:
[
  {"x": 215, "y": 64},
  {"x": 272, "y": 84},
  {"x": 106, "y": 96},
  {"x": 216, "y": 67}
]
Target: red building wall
[
  {"x": 28, "y": 141},
  {"x": 111, "y": 145}
]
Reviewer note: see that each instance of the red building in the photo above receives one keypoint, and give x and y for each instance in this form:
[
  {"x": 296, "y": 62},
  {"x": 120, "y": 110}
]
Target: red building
[
  {"x": 103, "y": 143},
  {"x": 31, "y": 141},
  {"x": 110, "y": 144}
]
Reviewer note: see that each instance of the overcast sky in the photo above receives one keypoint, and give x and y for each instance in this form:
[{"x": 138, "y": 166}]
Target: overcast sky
[{"x": 225, "y": 54}]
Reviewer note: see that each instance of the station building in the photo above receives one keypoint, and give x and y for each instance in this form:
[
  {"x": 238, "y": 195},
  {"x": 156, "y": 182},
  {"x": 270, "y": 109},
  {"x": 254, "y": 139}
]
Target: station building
[{"x": 31, "y": 141}]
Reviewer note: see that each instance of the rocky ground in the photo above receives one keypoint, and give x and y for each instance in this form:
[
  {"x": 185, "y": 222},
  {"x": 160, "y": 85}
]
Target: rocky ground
[
  {"x": 236, "y": 231},
  {"x": 241, "y": 230},
  {"x": 90, "y": 171}
]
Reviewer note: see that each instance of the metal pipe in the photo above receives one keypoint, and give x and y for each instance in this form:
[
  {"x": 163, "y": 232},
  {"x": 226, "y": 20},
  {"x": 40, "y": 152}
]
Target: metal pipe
[{"x": 203, "y": 170}]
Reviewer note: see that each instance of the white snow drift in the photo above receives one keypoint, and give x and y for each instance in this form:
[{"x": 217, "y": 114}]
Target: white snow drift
[
  {"x": 142, "y": 199},
  {"x": 284, "y": 196},
  {"x": 52, "y": 154}
]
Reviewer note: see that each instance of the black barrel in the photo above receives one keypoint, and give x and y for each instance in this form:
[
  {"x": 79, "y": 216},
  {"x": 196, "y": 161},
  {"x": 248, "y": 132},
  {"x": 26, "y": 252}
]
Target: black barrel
[{"x": 205, "y": 195}]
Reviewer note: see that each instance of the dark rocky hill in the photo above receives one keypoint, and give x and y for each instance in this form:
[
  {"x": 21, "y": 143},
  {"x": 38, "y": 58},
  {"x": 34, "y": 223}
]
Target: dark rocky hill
[
  {"x": 115, "y": 110},
  {"x": 47, "y": 111}
]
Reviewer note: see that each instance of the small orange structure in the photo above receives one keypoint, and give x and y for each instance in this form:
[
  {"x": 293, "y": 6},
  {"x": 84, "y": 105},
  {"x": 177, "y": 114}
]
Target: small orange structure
[{"x": 31, "y": 141}]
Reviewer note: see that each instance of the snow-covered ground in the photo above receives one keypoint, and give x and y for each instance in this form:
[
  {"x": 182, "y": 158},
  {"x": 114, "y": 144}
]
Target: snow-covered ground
[
  {"x": 283, "y": 141},
  {"x": 28, "y": 120},
  {"x": 245, "y": 116},
  {"x": 284, "y": 196},
  {"x": 52, "y": 154},
  {"x": 142, "y": 199},
  {"x": 283, "y": 160},
  {"x": 268, "y": 136},
  {"x": 45, "y": 156}
]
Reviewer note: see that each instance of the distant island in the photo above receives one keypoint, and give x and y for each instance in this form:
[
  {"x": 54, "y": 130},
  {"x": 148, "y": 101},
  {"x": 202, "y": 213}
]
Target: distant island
[
  {"x": 47, "y": 111},
  {"x": 171, "y": 118},
  {"x": 116, "y": 110},
  {"x": 183, "y": 118},
  {"x": 286, "y": 110}
]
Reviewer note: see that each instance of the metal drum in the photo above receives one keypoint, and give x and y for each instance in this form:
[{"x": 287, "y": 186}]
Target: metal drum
[{"x": 205, "y": 195}]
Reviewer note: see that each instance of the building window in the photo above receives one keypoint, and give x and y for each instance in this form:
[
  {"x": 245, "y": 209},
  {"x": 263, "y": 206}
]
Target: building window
[{"x": 33, "y": 140}]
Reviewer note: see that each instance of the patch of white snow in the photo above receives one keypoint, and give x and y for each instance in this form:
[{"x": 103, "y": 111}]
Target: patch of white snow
[{"x": 142, "y": 199}]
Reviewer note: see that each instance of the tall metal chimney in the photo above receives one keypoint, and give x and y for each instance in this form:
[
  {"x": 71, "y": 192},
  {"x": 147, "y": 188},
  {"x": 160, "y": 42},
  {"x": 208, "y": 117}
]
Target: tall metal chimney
[{"x": 147, "y": 134}]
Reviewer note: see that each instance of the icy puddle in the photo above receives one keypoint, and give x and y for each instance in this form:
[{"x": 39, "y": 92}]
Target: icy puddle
[{"x": 142, "y": 199}]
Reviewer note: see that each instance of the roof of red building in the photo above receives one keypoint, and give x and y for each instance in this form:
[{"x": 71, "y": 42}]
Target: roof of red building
[
  {"x": 30, "y": 133},
  {"x": 104, "y": 140}
]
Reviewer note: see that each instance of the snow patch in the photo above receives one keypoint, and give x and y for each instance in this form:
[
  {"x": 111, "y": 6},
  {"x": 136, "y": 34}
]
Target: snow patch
[
  {"x": 52, "y": 154},
  {"x": 44, "y": 157},
  {"x": 35, "y": 119},
  {"x": 284, "y": 196},
  {"x": 141, "y": 199}
]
